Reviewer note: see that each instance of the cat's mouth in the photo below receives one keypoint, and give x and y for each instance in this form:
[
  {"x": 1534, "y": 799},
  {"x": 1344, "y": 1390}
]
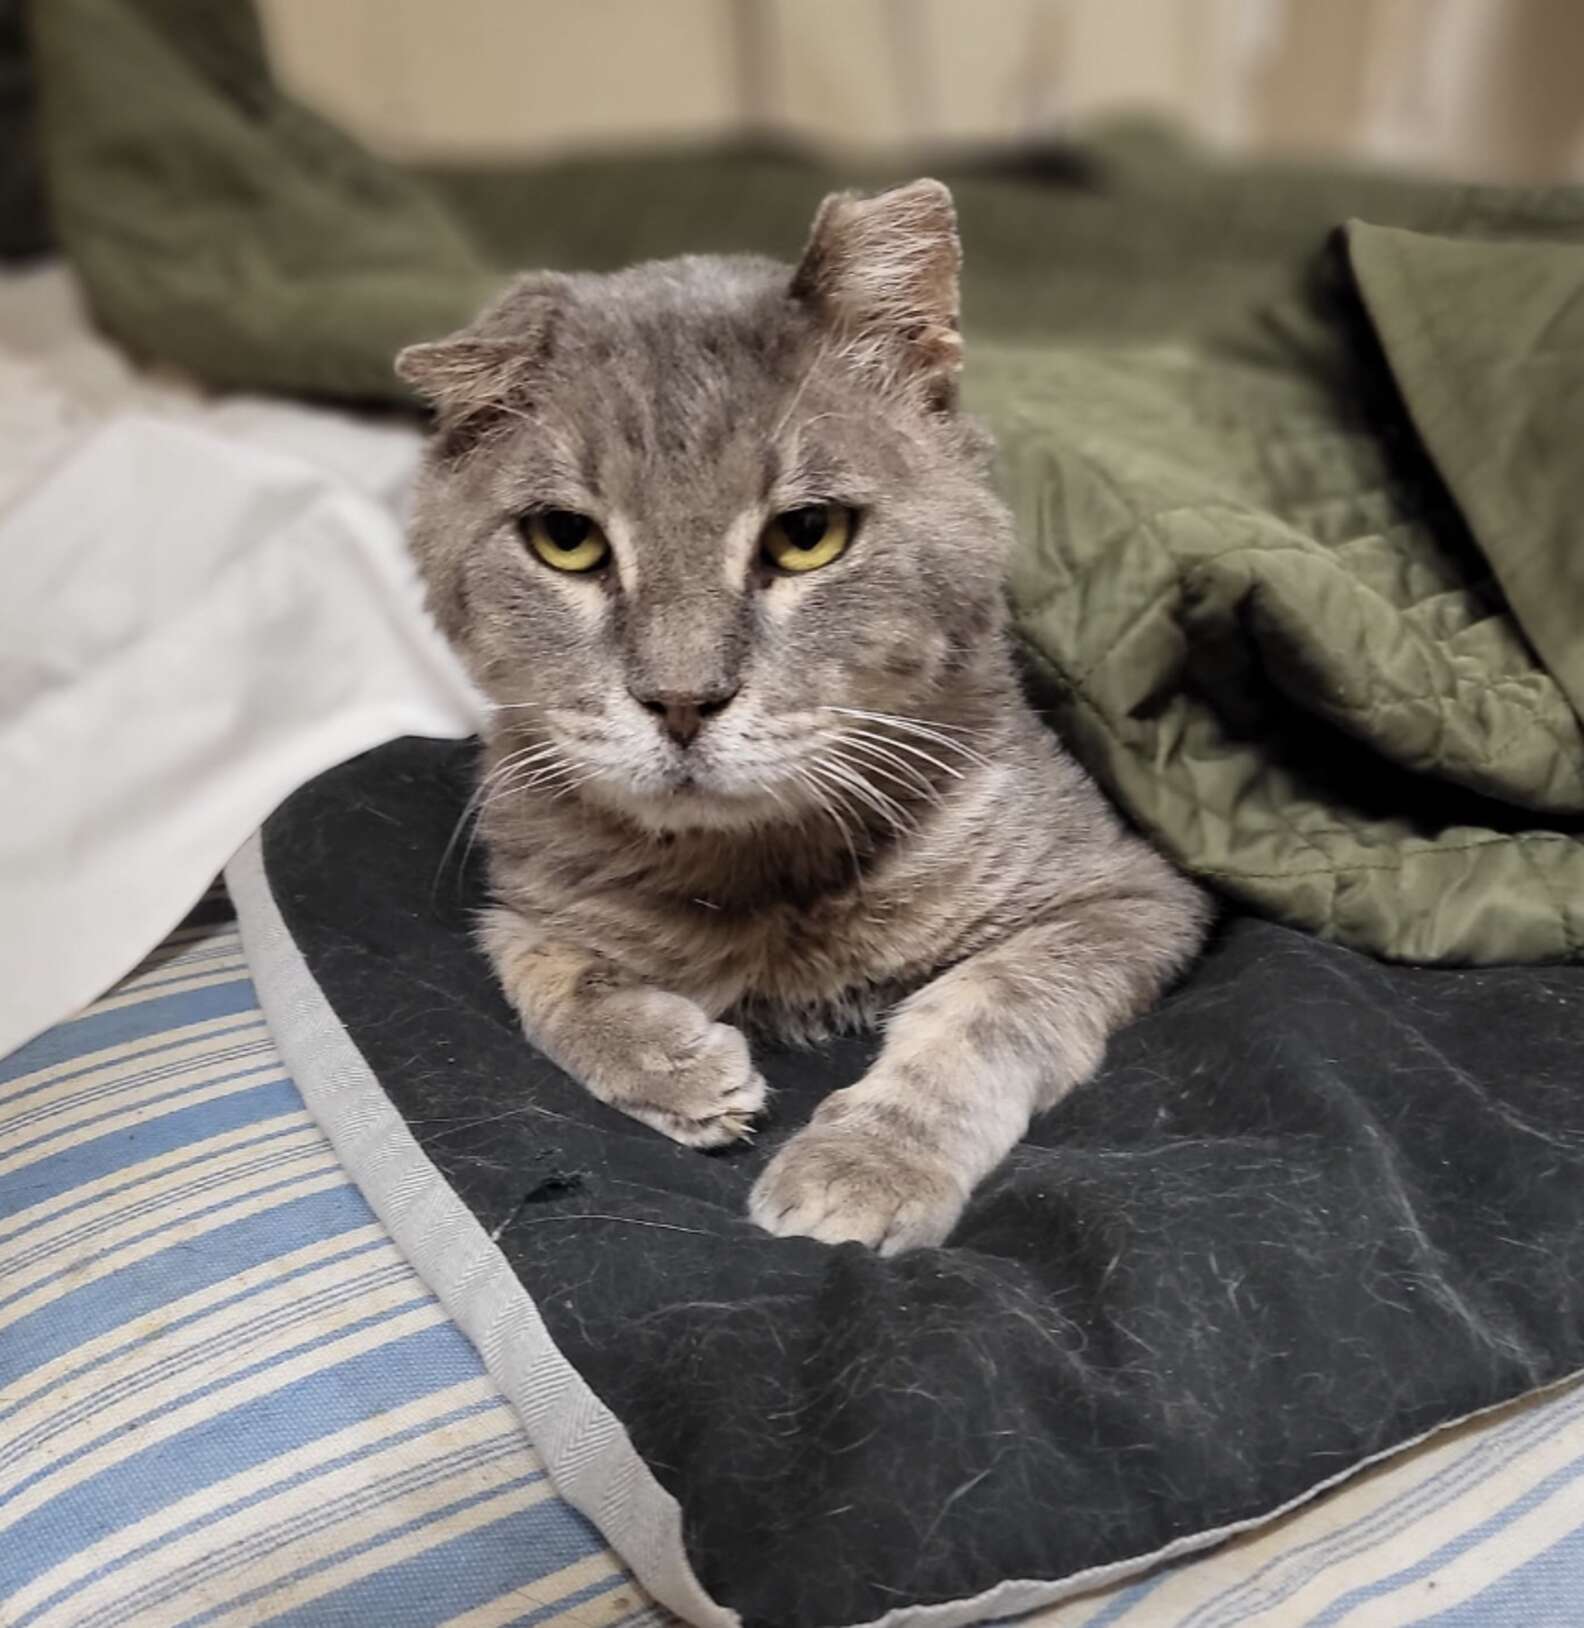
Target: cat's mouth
[{"x": 690, "y": 798}]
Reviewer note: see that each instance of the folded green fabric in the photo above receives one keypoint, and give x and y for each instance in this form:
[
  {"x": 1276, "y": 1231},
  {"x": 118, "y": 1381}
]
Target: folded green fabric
[
  {"x": 1277, "y": 628},
  {"x": 1301, "y": 576},
  {"x": 218, "y": 226}
]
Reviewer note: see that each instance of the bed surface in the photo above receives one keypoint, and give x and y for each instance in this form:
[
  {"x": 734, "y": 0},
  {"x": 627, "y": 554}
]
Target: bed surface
[
  {"x": 225, "y": 1397},
  {"x": 1312, "y": 1208}
]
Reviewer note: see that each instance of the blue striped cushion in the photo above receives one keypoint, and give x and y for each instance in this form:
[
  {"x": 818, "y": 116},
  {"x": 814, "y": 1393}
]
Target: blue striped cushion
[{"x": 224, "y": 1397}]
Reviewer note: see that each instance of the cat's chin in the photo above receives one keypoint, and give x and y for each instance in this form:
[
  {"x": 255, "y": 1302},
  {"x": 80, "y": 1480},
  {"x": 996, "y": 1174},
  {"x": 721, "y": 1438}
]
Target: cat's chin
[{"x": 688, "y": 808}]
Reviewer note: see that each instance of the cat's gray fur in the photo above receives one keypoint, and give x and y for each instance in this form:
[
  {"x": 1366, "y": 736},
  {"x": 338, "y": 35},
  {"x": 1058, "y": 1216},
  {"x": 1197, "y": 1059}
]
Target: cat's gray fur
[{"x": 796, "y": 866}]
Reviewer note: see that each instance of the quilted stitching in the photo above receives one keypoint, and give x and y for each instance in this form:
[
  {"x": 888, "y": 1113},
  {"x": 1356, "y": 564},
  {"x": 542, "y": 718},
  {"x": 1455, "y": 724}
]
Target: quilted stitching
[{"x": 1185, "y": 514}]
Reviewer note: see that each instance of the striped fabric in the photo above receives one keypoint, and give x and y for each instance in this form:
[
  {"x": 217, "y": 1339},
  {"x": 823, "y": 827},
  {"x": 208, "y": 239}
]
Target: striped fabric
[
  {"x": 224, "y": 1397},
  {"x": 1482, "y": 1527},
  {"x": 226, "y": 1400}
]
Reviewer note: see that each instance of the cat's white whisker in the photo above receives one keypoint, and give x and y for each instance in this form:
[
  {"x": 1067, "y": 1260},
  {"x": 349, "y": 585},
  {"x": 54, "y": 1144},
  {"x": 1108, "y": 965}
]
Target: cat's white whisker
[
  {"x": 537, "y": 769},
  {"x": 913, "y": 792},
  {"x": 836, "y": 758},
  {"x": 472, "y": 810},
  {"x": 819, "y": 793},
  {"x": 483, "y": 794},
  {"x": 809, "y": 784},
  {"x": 516, "y": 775},
  {"x": 521, "y": 774},
  {"x": 566, "y": 788},
  {"x": 860, "y": 740},
  {"x": 766, "y": 787},
  {"x": 941, "y": 733},
  {"x": 913, "y": 787},
  {"x": 968, "y": 753},
  {"x": 553, "y": 784},
  {"x": 870, "y": 795},
  {"x": 548, "y": 778},
  {"x": 521, "y": 759},
  {"x": 909, "y": 747},
  {"x": 935, "y": 733}
]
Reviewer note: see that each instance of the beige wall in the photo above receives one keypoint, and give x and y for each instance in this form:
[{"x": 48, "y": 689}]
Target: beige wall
[{"x": 1487, "y": 88}]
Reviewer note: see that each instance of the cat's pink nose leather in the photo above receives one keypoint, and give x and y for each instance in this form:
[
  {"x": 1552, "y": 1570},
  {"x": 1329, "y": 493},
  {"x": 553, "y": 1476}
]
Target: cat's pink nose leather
[{"x": 682, "y": 716}]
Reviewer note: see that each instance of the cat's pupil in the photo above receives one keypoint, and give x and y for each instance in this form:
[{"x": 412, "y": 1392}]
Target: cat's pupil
[
  {"x": 805, "y": 527},
  {"x": 565, "y": 529}
]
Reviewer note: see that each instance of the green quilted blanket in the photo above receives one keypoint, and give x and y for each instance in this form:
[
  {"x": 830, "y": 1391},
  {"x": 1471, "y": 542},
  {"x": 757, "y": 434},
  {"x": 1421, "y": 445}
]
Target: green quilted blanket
[
  {"x": 1295, "y": 454},
  {"x": 1321, "y": 628}
]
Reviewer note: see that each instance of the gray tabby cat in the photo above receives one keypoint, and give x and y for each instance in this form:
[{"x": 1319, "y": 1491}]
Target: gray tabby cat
[{"x": 714, "y": 537}]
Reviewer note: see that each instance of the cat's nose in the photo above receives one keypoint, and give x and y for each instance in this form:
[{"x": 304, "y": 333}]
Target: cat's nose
[{"x": 682, "y": 716}]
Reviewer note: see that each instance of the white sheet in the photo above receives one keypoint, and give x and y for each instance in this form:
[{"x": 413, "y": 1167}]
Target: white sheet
[{"x": 199, "y": 611}]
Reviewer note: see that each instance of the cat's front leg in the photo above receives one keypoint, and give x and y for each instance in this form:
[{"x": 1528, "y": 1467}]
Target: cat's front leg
[
  {"x": 654, "y": 1055},
  {"x": 968, "y": 1060}
]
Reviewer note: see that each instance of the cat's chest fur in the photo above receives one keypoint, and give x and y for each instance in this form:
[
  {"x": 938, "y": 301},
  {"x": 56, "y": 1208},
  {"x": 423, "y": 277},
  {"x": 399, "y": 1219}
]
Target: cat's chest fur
[
  {"x": 728, "y": 942},
  {"x": 803, "y": 942},
  {"x": 837, "y": 960}
]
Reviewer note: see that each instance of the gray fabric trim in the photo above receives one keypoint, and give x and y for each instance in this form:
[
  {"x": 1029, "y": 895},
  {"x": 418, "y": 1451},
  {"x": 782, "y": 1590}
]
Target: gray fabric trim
[
  {"x": 590, "y": 1459},
  {"x": 583, "y": 1446}
]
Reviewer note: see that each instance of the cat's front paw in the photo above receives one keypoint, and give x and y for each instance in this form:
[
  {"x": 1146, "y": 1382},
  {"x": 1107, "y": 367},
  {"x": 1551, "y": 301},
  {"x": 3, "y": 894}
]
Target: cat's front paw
[
  {"x": 845, "y": 1180},
  {"x": 665, "y": 1062}
]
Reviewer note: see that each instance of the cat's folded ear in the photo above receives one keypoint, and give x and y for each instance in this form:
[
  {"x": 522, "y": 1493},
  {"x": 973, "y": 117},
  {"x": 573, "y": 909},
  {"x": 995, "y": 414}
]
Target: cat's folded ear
[
  {"x": 475, "y": 385},
  {"x": 491, "y": 368},
  {"x": 461, "y": 373},
  {"x": 882, "y": 274}
]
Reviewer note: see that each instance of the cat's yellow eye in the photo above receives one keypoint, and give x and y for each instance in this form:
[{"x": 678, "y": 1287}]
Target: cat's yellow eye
[
  {"x": 807, "y": 538},
  {"x": 565, "y": 541}
]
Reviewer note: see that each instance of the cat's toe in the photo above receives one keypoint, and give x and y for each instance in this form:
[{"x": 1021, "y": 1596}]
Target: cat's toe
[
  {"x": 731, "y": 1120},
  {"x": 848, "y": 1186},
  {"x": 704, "y": 1092}
]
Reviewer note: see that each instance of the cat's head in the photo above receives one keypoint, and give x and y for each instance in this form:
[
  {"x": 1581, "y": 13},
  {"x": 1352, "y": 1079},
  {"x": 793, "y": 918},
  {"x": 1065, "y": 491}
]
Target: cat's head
[{"x": 694, "y": 526}]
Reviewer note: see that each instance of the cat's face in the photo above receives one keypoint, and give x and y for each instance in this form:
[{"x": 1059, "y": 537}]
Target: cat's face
[{"x": 688, "y": 524}]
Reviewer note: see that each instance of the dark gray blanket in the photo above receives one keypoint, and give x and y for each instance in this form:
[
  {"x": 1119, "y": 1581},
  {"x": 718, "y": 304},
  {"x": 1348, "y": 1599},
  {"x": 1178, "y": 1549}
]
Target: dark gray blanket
[{"x": 1313, "y": 1208}]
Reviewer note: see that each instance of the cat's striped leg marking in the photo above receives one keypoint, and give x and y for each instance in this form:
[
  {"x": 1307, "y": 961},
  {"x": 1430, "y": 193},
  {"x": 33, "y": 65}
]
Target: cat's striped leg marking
[
  {"x": 968, "y": 1061},
  {"x": 657, "y": 1056}
]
